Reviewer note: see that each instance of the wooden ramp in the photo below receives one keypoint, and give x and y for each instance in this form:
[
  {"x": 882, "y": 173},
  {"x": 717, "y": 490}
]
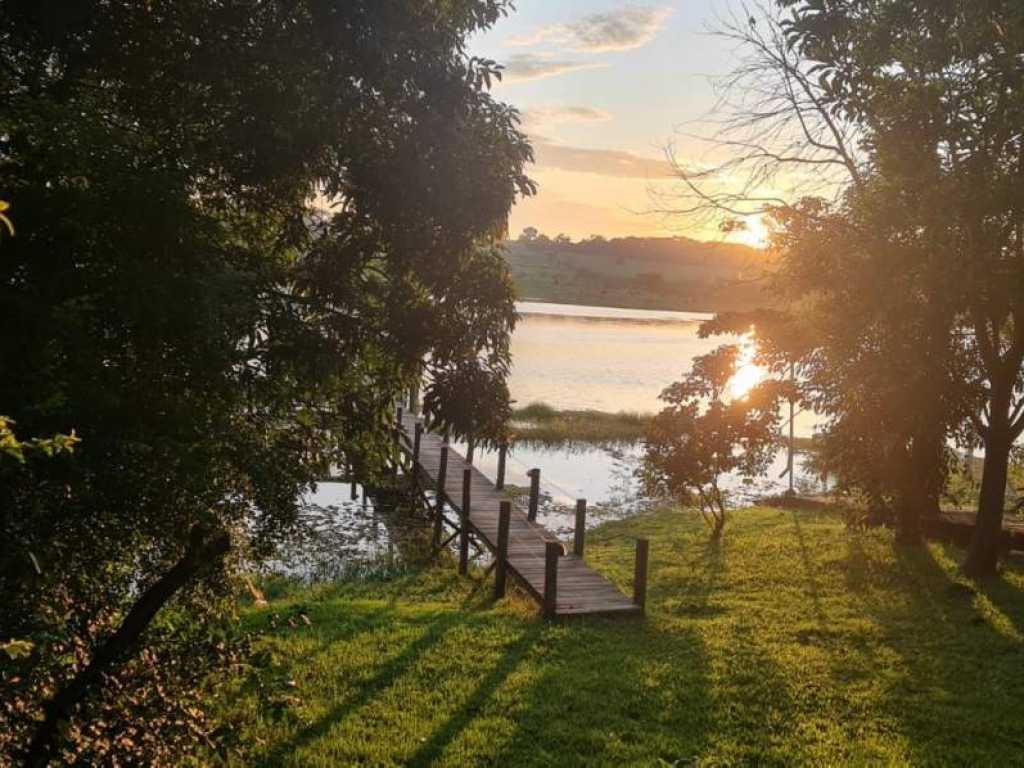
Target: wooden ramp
[{"x": 578, "y": 588}]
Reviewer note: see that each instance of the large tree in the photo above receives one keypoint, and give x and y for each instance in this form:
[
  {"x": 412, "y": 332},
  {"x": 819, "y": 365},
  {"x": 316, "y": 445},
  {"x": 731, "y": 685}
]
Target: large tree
[
  {"x": 854, "y": 270},
  {"x": 241, "y": 229},
  {"x": 938, "y": 86}
]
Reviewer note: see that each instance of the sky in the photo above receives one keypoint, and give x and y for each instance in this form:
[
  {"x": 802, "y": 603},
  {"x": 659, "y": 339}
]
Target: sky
[{"x": 605, "y": 87}]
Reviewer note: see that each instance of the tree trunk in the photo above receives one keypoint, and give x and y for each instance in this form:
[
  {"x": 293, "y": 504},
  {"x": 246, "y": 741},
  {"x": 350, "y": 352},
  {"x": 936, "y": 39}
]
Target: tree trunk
[
  {"x": 920, "y": 497},
  {"x": 983, "y": 554},
  {"x": 203, "y": 551},
  {"x": 907, "y": 507},
  {"x": 908, "y": 523}
]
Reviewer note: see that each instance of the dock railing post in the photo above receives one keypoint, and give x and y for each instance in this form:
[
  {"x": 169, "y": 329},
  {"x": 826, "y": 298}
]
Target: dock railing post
[
  {"x": 467, "y": 478},
  {"x": 416, "y": 440},
  {"x": 502, "y": 451},
  {"x": 501, "y": 567},
  {"x": 353, "y": 493},
  {"x": 470, "y": 450},
  {"x": 399, "y": 458},
  {"x": 414, "y": 397},
  {"x": 534, "y": 493},
  {"x": 442, "y": 472},
  {"x": 581, "y": 527},
  {"x": 640, "y": 574},
  {"x": 552, "y": 551}
]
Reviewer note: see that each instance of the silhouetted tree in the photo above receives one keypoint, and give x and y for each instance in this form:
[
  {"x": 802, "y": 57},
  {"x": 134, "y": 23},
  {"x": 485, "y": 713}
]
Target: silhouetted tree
[
  {"x": 937, "y": 87},
  {"x": 863, "y": 248},
  {"x": 702, "y": 435},
  {"x": 216, "y": 340}
]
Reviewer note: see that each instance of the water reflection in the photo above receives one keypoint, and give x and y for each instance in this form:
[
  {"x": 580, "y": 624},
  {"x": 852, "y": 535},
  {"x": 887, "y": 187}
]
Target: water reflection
[
  {"x": 747, "y": 374},
  {"x": 611, "y": 359},
  {"x": 340, "y": 538}
]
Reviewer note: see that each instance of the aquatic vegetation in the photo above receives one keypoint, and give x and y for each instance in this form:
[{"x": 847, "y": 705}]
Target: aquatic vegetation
[{"x": 544, "y": 425}]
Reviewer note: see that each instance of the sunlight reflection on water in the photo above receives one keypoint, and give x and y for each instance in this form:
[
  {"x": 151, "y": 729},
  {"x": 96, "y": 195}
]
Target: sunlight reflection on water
[{"x": 610, "y": 359}]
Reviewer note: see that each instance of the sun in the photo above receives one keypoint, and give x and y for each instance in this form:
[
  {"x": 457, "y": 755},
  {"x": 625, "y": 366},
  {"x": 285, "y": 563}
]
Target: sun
[
  {"x": 747, "y": 374},
  {"x": 755, "y": 234}
]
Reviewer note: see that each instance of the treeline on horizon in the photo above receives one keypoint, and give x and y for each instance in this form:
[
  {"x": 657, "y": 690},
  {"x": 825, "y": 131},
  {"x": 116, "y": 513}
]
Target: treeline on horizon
[
  {"x": 644, "y": 272},
  {"x": 678, "y": 248}
]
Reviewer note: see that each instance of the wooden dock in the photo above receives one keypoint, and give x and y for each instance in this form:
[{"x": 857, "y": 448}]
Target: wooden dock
[{"x": 561, "y": 582}]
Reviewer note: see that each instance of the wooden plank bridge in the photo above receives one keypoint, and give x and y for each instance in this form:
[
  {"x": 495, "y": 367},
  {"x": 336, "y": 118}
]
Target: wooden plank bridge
[{"x": 561, "y": 582}]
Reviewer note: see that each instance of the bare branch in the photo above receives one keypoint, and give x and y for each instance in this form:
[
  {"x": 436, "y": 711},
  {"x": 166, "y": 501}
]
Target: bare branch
[{"x": 773, "y": 126}]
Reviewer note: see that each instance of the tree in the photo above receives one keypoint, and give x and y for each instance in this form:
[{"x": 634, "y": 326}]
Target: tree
[
  {"x": 700, "y": 436},
  {"x": 782, "y": 347},
  {"x": 859, "y": 235},
  {"x": 937, "y": 86},
  {"x": 218, "y": 341},
  {"x": 529, "y": 235}
]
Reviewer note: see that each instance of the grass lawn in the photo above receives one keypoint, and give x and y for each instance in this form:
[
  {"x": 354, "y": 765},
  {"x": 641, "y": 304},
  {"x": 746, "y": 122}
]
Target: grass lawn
[{"x": 793, "y": 642}]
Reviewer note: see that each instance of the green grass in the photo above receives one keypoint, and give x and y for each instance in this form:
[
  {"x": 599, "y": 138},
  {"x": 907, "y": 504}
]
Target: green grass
[
  {"x": 793, "y": 642},
  {"x": 544, "y": 425}
]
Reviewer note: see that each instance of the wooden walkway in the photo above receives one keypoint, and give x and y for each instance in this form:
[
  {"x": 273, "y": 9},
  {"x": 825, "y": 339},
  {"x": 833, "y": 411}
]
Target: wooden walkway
[{"x": 578, "y": 588}]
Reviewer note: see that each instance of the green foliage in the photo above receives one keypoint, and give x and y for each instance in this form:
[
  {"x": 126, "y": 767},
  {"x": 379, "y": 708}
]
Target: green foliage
[
  {"x": 921, "y": 272},
  {"x": 794, "y": 641},
  {"x": 14, "y": 448},
  {"x": 5, "y": 219},
  {"x": 701, "y": 436},
  {"x": 216, "y": 340}
]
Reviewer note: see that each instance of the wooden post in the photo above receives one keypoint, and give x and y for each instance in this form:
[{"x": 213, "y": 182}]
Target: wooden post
[
  {"x": 442, "y": 472},
  {"x": 416, "y": 440},
  {"x": 501, "y": 568},
  {"x": 467, "y": 478},
  {"x": 398, "y": 442},
  {"x": 414, "y": 397},
  {"x": 581, "y": 527},
  {"x": 534, "y": 493},
  {"x": 353, "y": 494},
  {"x": 470, "y": 450},
  {"x": 640, "y": 574},
  {"x": 552, "y": 551},
  {"x": 502, "y": 450}
]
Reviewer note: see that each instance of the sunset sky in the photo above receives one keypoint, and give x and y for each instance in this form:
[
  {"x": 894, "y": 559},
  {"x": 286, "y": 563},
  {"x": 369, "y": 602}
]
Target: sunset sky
[{"x": 604, "y": 88}]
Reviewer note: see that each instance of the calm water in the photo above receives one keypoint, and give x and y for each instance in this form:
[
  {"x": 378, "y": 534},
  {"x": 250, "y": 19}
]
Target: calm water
[
  {"x": 601, "y": 358},
  {"x": 607, "y": 359}
]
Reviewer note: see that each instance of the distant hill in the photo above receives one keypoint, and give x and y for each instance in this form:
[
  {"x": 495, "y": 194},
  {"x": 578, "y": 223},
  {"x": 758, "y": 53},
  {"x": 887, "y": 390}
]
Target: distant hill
[{"x": 644, "y": 272}]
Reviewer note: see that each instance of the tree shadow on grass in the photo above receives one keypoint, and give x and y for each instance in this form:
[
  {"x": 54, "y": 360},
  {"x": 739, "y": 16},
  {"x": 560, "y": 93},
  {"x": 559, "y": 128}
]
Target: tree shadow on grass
[
  {"x": 687, "y": 591},
  {"x": 952, "y": 679},
  {"x": 612, "y": 692},
  {"x": 385, "y": 677},
  {"x": 458, "y": 721},
  {"x": 813, "y": 588}
]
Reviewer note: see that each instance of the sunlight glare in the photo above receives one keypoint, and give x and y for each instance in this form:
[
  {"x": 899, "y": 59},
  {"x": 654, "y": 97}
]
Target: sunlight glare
[
  {"x": 756, "y": 233},
  {"x": 747, "y": 374}
]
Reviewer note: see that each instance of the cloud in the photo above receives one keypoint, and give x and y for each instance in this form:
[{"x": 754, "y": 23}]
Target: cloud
[
  {"x": 619, "y": 30},
  {"x": 532, "y": 66},
  {"x": 536, "y": 119},
  {"x": 604, "y": 162}
]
